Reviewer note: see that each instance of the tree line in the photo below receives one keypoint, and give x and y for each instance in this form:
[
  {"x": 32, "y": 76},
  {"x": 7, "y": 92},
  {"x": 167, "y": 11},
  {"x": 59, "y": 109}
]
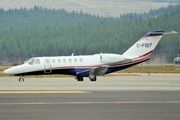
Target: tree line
[
  {"x": 40, "y": 18},
  {"x": 106, "y": 36},
  {"x": 150, "y": 14}
]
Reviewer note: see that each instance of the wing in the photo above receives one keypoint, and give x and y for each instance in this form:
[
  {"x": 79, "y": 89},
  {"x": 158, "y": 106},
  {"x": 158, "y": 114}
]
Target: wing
[{"x": 95, "y": 71}]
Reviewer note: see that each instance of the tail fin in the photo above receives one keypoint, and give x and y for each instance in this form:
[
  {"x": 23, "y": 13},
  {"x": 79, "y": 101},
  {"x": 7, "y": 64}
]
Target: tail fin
[{"x": 146, "y": 44}]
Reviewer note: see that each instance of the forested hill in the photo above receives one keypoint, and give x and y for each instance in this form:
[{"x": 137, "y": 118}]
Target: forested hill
[
  {"x": 40, "y": 18},
  {"x": 88, "y": 37}
]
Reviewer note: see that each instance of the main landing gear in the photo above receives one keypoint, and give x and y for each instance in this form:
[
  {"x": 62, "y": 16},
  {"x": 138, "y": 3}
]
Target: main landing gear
[
  {"x": 80, "y": 78},
  {"x": 93, "y": 79}
]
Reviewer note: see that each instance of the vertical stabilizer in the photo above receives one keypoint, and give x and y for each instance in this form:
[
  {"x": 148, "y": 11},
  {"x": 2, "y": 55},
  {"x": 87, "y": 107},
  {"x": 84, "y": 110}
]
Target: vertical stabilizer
[{"x": 146, "y": 44}]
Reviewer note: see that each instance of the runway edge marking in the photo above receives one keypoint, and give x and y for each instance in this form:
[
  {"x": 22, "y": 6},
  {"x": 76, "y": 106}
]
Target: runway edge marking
[{"x": 45, "y": 92}]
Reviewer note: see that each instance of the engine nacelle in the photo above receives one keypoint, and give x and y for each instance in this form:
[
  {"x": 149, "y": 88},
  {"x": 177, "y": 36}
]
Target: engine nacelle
[{"x": 111, "y": 58}]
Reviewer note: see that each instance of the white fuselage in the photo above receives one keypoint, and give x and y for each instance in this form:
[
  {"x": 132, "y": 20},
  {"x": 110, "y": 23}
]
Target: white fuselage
[{"x": 69, "y": 64}]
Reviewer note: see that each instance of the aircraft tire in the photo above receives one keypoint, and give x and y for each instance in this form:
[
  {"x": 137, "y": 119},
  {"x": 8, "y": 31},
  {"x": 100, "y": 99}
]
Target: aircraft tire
[
  {"x": 79, "y": 78},
  {"x": 21, "y": 79},
  {"x": 93, "y": 79}
]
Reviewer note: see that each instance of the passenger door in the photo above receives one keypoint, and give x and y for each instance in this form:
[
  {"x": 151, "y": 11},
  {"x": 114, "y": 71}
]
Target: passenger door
[{"x": 47, "y": 65}]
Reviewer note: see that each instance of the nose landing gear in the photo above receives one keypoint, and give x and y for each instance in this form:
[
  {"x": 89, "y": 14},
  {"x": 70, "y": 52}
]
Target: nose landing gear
[{"x": 21, "y": 79}]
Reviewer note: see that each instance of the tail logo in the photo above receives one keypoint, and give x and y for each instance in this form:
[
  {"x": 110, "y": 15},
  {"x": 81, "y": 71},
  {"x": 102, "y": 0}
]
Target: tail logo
[{"x": 143, "y": 45}]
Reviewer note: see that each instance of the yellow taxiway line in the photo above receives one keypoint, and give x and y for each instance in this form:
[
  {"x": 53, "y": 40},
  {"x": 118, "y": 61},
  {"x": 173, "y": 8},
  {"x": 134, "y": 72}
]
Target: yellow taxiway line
[{"x": 44, "y": 92}]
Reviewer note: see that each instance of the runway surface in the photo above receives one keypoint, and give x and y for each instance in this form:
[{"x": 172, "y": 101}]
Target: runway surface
[{"x": 155, "y": 97}]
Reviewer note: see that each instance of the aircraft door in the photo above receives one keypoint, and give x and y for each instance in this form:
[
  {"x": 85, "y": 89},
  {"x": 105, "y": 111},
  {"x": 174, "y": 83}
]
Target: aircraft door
[{"x": 47, "y": 65}]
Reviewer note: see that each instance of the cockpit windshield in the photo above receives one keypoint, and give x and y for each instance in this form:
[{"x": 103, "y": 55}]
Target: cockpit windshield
[{"x": 31, "y": 61}]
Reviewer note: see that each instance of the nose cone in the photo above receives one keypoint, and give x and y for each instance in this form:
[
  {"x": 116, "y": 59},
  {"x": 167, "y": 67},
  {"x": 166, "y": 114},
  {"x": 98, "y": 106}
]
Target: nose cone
[
  {"x": 16, "y": 70},
  {"x": 8, "y": 72},
  {"x": 11, "y": 71}
]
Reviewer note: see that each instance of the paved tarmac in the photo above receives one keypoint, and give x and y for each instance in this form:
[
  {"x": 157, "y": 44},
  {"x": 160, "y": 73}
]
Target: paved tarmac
[{"x": 155, "y": 97}]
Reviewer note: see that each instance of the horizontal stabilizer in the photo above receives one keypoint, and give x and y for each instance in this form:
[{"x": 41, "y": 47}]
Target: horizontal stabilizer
[
  {"x": 172, "y": 32},
  {"x": 159, "y": 32}
]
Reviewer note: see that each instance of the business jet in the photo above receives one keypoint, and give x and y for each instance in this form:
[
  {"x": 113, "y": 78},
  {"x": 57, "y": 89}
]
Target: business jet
[{"x": 90, "y": 65}]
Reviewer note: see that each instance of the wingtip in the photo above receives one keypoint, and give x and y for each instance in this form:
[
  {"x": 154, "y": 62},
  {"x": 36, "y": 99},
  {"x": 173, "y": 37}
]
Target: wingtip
[{"x": 174, "y": 32}]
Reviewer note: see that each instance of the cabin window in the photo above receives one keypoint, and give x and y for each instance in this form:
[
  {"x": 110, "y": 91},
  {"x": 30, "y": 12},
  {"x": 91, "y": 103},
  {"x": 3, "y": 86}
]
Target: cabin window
[
  {"x": 81, "y": 60},
  {"x": 53, "y": 61},
  {"x": 70, "y": 60},
  {"x": 75, "y": 60},
  {"x": 37, "y": 61},
  {"x": 47, "y": 61},
  {"x": 31, "y": 61},
  {"x": 59, "y": 61},
  {"x": 64, "y": 60}
]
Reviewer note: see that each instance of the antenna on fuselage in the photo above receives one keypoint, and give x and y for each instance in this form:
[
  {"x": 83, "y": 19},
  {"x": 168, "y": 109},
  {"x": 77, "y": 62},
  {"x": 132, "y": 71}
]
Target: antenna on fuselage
[{"x": 72, "y": 54}]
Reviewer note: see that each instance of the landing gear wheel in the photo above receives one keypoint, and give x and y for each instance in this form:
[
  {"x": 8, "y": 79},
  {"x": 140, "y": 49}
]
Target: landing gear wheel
[
  {"x": 79, "y": 78},
  {"x": 93, "y": 79},
  {"x": 21, "y": 79}
]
